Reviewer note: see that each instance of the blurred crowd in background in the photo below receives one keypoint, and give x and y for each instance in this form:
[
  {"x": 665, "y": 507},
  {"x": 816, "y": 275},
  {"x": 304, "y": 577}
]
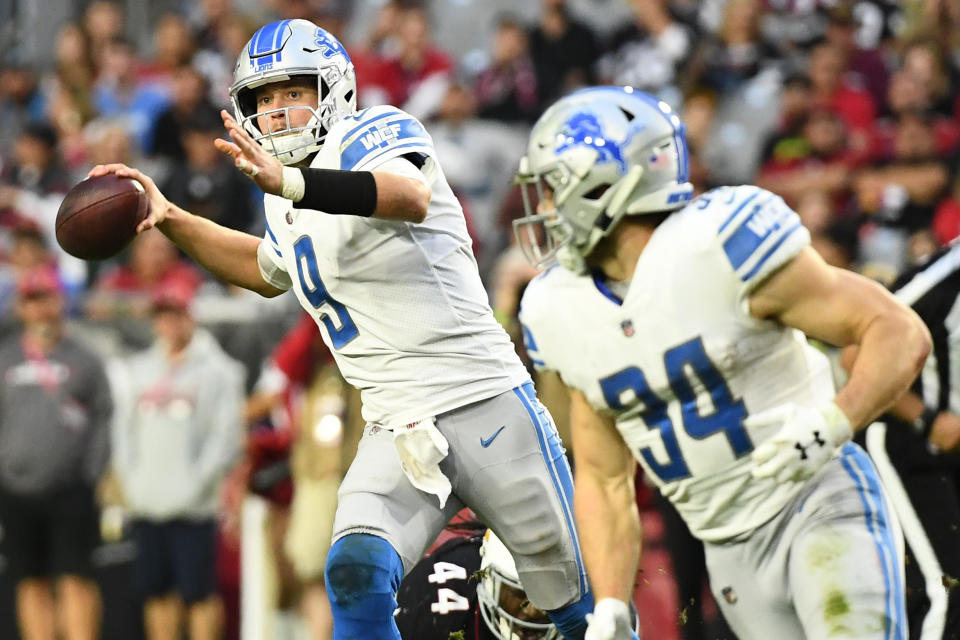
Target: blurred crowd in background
[{"x": 848, "y": 109}]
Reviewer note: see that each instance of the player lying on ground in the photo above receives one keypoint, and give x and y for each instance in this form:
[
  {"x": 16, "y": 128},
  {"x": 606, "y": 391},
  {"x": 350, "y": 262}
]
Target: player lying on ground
[
  {"x": 469, "y": 585},
  {"x": 678, "y": 325}
]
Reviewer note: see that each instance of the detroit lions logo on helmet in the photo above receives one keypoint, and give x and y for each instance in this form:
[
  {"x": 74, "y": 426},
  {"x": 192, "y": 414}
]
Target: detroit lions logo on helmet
[
  {"x": 584, "y": 130},
  {"x": 328, "y": 45}
]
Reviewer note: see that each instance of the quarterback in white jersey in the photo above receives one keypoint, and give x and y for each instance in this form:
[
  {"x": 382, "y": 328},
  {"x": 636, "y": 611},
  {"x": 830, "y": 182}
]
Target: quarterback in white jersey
[
  {"x": 363, "y": 227},
  {"x": 401, "y": 306},
  {"x": 678, "y": 326}
]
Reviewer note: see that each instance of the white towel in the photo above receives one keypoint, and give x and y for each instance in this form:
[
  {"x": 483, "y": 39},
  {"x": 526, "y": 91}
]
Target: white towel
[{"x": 421, "y": 447}]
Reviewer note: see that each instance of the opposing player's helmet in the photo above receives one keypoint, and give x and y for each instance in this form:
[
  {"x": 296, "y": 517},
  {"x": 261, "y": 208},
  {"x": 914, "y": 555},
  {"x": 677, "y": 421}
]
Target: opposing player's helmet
[
  {"x": 503, "y": 602},
  {"x": 278, "y": 52},
  {"x": 603, "y": 153}
]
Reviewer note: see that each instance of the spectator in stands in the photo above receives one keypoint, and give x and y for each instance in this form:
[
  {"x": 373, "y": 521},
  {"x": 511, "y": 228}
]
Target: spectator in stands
[
  {"x": 380, "y": 43},
  {"x": 836, "y": 91},
  {"x": 152, "y": 264},
  {"x": 69, "y": 91},
  {"x": 107, "y": 140},
  {"x": 54, "y": 437},
  {"x": 215, "y": 61},
  {"x": 925, "y": 61},
  {"x": 647, "y": 53},
  {"x": 796, "y": 104},
  {"x": 700, "y": 117},
  {"x": 31, "y": 190},
  {"x": 27, "y": 253},
  {"x": 21, "y": 103},
  {"x": 863, "y": 57},
  {"x": 103, "y": 22},
  {"x": 35, "y": 164},
  {"x": 414, "y": 77},
  {"x": 507, "y": 89},
  {"x": 176, "y": 434},
  {"x": 907, "y": 93},
  {"x": 190, "y": 98},
  {"x": 818, "y": 159},
  {"x": 207, "y": 18},
  {"x": 119, "y": 93},
  {"x": 902, "y": 189},
  {"x": 737, "y": 53},
  {"x": 478, "y": 158},
  {"x": 173, "y": 47},
  {"x": 899, "y": 193},
  {"x": 205, "y": 181},
  {"x": 563, "y": 51}
]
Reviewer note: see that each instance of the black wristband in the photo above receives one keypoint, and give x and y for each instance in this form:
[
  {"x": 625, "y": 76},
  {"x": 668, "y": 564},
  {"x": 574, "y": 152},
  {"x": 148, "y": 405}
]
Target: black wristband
[
  {"x": 923, "y": 424},
  {"x": 349, "y": 193}
]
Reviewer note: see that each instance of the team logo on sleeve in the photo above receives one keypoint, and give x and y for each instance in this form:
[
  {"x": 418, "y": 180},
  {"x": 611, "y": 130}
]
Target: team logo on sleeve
[{"x": 627, "y": 326}]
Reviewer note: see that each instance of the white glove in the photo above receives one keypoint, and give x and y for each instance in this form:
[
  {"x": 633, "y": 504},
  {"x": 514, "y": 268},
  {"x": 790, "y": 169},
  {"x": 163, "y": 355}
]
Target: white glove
[
  {"x": 610, "y": 620},
  {"x": 806, "y": 441}
]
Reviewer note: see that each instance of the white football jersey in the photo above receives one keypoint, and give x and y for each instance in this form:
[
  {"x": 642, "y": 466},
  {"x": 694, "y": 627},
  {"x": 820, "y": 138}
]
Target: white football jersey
[
  {"x": 680, "y": 362},
  {"x": 400, "y": 304}
]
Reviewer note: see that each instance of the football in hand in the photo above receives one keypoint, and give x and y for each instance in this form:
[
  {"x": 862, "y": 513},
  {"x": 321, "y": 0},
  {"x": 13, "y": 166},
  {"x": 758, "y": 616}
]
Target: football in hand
[{"x": 99, "y": 216}]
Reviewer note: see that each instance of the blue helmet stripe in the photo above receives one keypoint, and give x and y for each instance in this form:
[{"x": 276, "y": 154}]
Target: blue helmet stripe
[
  {"x": 263, "y": 41},
  {"x": 278, "y": 39}
]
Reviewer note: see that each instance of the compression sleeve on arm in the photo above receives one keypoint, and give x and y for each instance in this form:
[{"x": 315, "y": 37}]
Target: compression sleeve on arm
[{"x": 352, "y": 193}]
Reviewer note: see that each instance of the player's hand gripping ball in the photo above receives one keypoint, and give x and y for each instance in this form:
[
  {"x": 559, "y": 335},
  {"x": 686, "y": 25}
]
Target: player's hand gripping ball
[{"x": 99, "y": 216}]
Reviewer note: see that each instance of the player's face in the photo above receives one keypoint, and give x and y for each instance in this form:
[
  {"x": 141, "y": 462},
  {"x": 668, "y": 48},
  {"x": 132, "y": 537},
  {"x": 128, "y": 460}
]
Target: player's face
[
  {"x": 515, "y": 602},
  {"x": 545, "y": 205},
  {"x": 273, "y": 98}
]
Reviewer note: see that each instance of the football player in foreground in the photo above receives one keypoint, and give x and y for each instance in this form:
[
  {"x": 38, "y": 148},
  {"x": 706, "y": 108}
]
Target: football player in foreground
[
  {"x": 678, "y": 325},
  {"x": 364, "y": 228}
]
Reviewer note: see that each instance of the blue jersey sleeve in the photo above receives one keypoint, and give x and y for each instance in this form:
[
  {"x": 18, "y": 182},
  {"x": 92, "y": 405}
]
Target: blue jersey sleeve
[
  {"x": 759, "y": 234},
  {"x": 381, "y": 134}
]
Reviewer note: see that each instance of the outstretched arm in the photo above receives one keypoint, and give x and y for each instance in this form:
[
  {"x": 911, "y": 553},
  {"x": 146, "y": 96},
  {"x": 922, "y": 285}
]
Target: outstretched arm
[
  {"x": 228, "y": 254},
  {"x": 379, "y": 194}
]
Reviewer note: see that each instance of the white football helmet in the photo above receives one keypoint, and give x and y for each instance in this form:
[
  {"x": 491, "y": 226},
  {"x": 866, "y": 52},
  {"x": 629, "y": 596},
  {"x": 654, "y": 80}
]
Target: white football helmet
[
  {"x": 502, "y": 598},
  {"x": 593, "y": 157},
  {"x": 278, "y": 52}
]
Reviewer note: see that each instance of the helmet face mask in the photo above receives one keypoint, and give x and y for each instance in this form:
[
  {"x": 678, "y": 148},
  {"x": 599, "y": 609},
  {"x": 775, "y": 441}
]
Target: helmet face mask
[
  {"x": 503, "y": 603},
  {"x": 600, "y": 153},
  {"x": 282, "y": 51}
]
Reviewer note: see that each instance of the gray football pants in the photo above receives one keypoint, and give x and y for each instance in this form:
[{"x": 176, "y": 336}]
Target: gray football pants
[
  {"x": 829, "y": 565},
  {"x": 506, "y": 463}
]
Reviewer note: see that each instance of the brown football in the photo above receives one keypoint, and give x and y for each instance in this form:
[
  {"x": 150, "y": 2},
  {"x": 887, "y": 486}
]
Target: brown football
[{"x": 99, "y": 216}]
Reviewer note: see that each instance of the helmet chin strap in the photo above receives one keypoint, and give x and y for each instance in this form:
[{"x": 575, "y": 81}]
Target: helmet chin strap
[
  {"x": 624, "y": 189},
  {"x": 614, "y": 209}
]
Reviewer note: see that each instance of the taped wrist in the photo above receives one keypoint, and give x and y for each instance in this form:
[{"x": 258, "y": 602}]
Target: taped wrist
[
  {"x": 350, "y": 193},
  {"x": 291, "y": 184},
  {"x": 838, "y": 425}
]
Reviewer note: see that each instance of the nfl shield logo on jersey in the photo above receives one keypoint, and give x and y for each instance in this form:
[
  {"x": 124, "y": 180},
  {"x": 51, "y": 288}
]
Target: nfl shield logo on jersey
[{"x": 627, "y": 326}]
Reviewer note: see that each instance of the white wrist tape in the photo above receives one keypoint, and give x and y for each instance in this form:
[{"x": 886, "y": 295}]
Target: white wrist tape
[
  {"x": 292, "y": 186},
  {"x": 837, "y": 423}
]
